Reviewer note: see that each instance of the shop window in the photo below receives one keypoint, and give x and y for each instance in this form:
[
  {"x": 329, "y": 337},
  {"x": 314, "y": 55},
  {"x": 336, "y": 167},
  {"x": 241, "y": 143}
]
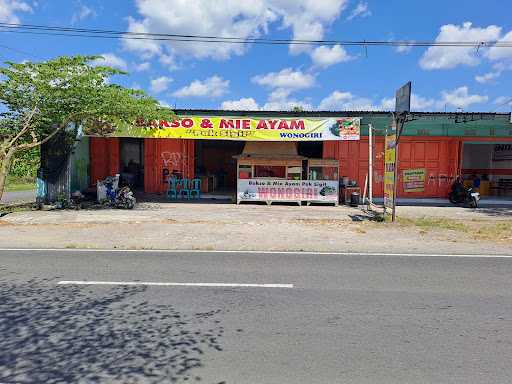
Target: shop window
[
  {"x": 245, "y": 172},
  {"x": 323, "y": 173},
  {"x": 294, "y": 173},
  {"x": 270, "y": 171}
]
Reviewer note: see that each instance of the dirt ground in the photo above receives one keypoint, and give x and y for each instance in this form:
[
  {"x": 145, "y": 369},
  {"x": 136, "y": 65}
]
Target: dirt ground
[{"x": 450, "y": 230}]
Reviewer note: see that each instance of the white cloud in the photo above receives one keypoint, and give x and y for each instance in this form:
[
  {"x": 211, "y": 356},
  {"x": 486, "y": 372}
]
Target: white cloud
[
  {"x": 451, "y": 57},
  {"x": 214, "y": 86},
  {"x": 503, "y": 100},
  {"x": 361, "y": 10},
  {"x": 418, "y": 103},
  {"x": 243, "y": 104},
  {"x": 160, "y": 84},
  {"x": 111, "y": 60},
  {"x": 497, "y": 53},
  {"x": 324, "y": 56},
  {"x": 306, "y": 18},
  {"x": 8, "y": 9},
  {"x": 286, "y": 78},
  {"x": 286, "y": 105},
  {"x": 487, "y": 77},
  {"x": 146, "y": 48},
  {"x": 403, "y": 48},
  {"x": 141, "y": 67},
  {"x": 338, "y": 100},
  {"x": 164, "y": 104},
  {"x": 82, "y": 13},
  {"x": 460, "y": 98}
]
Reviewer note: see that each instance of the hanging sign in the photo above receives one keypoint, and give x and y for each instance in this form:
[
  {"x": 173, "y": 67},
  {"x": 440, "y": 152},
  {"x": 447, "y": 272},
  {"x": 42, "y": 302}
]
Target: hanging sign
[
  {"x": 414, "y": 180},
  {"x": 248, "y": 128}
]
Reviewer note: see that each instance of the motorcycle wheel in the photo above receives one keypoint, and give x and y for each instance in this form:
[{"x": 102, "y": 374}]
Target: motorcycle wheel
[{"x": 473, "y": 203}]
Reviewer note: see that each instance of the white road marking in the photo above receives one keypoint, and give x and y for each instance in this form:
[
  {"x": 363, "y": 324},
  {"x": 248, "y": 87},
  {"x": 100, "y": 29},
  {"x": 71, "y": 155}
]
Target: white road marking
[
  {"x": 159, "y": 284},
  {"x": 98, "y": 250}
]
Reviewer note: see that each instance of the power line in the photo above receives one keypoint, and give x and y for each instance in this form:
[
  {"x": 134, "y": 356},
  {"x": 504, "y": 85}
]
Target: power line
[
  {"x": 509, "y": 101},
  {"x": 20, "y": 52},
  {"x": 33, "y": 29}
]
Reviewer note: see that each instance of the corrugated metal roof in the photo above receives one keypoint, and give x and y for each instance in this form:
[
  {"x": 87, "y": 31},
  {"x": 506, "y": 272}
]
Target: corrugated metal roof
[{"x": 328, "y": 113}]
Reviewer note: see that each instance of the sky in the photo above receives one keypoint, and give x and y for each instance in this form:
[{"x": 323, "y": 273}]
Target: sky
[{"x": 280, "y": 77}]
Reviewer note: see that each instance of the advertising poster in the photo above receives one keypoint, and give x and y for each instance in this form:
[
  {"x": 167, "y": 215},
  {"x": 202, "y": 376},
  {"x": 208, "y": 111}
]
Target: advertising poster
[
  {"x": 247, "y": 128},
  {"x": 414, "y": 180},
  {"x": 389, "y": 170},
  {"x": 288, "y": 190}
]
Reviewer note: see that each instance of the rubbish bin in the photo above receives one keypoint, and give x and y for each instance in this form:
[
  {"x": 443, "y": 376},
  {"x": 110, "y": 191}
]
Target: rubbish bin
[{"x": 354, "y": 199}]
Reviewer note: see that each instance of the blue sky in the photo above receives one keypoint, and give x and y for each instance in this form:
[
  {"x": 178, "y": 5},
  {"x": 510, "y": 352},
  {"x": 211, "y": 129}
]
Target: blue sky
[{"x": 280, "y": 77}]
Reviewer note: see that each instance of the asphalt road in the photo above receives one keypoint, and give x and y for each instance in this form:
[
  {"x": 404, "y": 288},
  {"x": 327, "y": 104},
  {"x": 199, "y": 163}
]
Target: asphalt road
[
  {"x": 347, "y": 319},
  {"x": 18, "y": 197}
]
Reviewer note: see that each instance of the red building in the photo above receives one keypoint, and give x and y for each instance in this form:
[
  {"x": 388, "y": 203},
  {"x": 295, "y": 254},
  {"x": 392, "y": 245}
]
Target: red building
[{"x": 444, "y": 145}]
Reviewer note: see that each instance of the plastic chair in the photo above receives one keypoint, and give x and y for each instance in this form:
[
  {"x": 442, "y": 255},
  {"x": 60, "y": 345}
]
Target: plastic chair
[
  {"x": 172, "y": 192},
  {"x": 195, "y": 188},
  {"x": 184, "y": 188}
]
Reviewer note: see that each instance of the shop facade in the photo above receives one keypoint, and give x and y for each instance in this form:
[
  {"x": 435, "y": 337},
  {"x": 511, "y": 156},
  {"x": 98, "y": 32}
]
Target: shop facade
[{"x": 434, "y": 149}]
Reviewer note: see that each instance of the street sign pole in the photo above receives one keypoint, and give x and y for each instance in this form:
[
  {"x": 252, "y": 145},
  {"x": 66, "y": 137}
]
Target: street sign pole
[{"x": 402, "y": 108}]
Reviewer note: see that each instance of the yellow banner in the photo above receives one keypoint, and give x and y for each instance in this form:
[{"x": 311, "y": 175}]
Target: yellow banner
[
  {"x": 248, "y": 128},
  {"x": 389, "y": 170}
]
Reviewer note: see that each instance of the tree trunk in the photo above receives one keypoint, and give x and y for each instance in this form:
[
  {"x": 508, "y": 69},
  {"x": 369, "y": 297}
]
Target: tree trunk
[{"x": 5, "y": 165}]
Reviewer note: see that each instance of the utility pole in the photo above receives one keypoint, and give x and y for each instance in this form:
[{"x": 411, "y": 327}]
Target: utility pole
[{"x": 402, "y": 109}]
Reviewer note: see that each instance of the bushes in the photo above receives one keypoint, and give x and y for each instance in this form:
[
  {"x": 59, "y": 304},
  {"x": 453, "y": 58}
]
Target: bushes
[{"x": 25, "y": 165}]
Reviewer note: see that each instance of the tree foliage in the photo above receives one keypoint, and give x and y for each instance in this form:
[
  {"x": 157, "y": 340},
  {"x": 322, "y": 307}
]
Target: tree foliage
[{"x": 42, "y": 99}]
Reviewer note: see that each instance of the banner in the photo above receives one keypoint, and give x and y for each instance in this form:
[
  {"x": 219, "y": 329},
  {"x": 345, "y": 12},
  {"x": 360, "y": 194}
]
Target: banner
[
  {"x": 287, "y": 190},
  {"x": 248, "y": 128},
  {"x": 389, "y": 170},
  {"x": 414, "y": 180}
]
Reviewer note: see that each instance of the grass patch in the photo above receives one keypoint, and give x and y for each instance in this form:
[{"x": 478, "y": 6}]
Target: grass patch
[
  {"x": 477, "y": 230},
  {"x": 430, "y": 223},
  {"x": 16, "y": 184}
]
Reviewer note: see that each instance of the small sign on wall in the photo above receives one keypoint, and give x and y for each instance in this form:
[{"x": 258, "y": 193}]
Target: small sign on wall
[
  {"x": 502, "y": 152},
  {"x": 414, "y": 180}
]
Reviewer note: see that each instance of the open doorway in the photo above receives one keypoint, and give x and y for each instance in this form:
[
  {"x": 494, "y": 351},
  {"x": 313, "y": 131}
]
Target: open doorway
[
  {"x": 131, "y": 162},
  {"x": 488, "y": 168},
  {"x": 215, "y": 165}
]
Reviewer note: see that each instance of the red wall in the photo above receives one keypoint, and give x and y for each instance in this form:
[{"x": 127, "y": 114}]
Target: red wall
[
  {"x": 170, "y": 154},
  {"x": 158, "y": 154},
  {"x": 438, "y": 155},
  {"x": 104, "y": 154}
]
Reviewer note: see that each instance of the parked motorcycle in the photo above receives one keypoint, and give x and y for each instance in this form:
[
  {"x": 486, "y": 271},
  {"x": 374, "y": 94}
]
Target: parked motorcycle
[
  {"x": 463, "y": 195},
  {"x": 122, "y": 198}
]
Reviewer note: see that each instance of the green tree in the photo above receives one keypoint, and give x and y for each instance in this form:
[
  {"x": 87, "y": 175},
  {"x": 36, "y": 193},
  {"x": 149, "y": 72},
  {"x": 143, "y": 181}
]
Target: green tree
[{"x": 39, "y": 100}]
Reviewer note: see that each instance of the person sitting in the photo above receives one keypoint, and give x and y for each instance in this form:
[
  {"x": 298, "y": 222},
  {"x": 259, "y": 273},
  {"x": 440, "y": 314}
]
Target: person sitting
[
  {"x": 458, "y": 187},
  {"x": 476, "y": 182}
]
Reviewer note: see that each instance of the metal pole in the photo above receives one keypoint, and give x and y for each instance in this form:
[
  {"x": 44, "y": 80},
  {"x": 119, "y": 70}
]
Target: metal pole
[{"x": 370, "y": 166}]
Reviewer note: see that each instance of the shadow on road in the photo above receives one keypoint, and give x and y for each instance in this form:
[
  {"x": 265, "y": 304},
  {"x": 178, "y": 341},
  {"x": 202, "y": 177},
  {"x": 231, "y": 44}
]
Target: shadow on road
[
  {"x": 65, "y": 334},
  {"x": 504, "y": 212}
]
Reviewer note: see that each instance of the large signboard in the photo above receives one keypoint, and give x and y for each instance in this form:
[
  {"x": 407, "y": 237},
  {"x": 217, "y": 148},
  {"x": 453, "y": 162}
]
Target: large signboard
[
  {"x": 287, "y": 190},
  {"x": 403, "y": 98},
  {"x": 389, "y": 170},
  {"x": 248, "y": 128},
  {"x": 414, "y": 180}
]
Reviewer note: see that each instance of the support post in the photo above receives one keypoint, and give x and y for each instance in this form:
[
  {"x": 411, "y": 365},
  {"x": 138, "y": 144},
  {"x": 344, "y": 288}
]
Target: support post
[{"x": 370, "y": 166}]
